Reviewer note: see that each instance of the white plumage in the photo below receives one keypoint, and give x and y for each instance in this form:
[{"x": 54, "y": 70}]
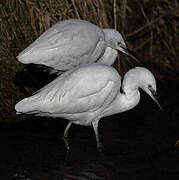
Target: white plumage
[
  {"x": 85, "y": 94},
  {"x": 72, "y": 42}
]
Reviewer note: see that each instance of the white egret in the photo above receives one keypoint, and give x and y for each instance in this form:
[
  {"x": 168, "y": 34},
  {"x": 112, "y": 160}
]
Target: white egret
[
  {"x": 85, "y": 94},
  {"x": 72, "y": 42}
]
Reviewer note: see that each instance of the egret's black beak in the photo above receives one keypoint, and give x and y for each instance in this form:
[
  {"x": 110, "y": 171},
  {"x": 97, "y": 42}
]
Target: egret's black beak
[
  {"x": 130, "y": 53},
  {"x": 155, "y": 97}
]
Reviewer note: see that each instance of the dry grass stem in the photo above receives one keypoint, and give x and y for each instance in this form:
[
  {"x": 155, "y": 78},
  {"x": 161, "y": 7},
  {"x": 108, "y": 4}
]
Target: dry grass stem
[
  {"x": 115, "y": 13},
  {"x": 76, "y": 11}
]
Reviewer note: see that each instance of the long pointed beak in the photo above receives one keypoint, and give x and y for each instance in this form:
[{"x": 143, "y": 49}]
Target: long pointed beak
[
  {"x": 130, "y": 53},
  {"x": 155, "y": 97}
]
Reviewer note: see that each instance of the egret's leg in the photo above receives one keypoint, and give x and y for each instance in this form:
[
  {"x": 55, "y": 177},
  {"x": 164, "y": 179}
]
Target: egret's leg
[
  {"x": 65, "y": 135},
  {"x": 95, "y": 127}
]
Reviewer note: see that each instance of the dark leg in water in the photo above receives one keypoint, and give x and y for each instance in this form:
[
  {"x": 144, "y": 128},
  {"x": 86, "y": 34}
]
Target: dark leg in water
[{"x": 65, "y": 136}]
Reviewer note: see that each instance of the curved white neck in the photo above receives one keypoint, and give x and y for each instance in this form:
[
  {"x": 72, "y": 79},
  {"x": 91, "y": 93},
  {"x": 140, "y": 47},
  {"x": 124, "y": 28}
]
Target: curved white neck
[
  {"x": 126, "y": 100},
  {"x": 122, "y": 103},
  {"x": 109, "y": 56},
  {"x": 130, "y": 96}
]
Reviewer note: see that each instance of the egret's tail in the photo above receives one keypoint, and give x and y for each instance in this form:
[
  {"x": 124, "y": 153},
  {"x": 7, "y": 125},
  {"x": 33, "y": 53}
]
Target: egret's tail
[
  {"x": 26, "y": 56},
  {"x": 27, "y": 106}
]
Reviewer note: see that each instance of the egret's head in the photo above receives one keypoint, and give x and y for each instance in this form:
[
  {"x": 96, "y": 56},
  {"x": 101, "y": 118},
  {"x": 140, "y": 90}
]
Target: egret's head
[
  {"x": 115, "y": 40},
  {"x": 147, "y": 82}
]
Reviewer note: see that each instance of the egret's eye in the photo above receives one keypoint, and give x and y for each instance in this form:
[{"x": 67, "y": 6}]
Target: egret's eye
[
  {"x": 149, "y": 86},
  {"x": 119, "y": 43}
]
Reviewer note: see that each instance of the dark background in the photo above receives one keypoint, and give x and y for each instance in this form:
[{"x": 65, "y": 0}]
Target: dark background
[{"x": 139, "y": 144}]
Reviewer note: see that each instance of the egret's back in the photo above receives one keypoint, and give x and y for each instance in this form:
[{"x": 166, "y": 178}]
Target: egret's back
[
  {"x": 65, "y": 45},
  {"x": 79, "y": 90}
]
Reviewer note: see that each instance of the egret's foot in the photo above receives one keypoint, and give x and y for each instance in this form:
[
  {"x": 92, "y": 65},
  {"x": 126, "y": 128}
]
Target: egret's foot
[
  {"x": 100, "y": 147},
  {"x": 65, "y": 139}
]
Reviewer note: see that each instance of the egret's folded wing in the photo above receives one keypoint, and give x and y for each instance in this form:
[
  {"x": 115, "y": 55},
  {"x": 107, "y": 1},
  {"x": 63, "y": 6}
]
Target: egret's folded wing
[
  {"x": 62, "y": 44},
  {"x": 77, "y": 101},
  {"x": 82, "y": 89},
  {"x": 60, "y": 101}
]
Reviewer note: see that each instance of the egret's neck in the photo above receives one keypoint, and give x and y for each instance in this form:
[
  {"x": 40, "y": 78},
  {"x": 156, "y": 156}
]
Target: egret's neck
[
  {"x": 130, "y": 88},
  {"x": 126, "y": 100},
  {"x": 129, "y": 100},
  {"x": 109, "y": 56},
  {"x": 122, "y": 103}
]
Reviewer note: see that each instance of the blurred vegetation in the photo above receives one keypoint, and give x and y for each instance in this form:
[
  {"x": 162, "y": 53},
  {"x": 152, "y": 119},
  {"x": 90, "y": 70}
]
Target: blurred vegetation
[{"x": 150, "y": 28}]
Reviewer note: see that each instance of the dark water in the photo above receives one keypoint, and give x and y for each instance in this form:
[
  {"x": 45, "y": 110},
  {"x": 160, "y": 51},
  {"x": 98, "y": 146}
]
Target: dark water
[{"x": 139, "y": 145}]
